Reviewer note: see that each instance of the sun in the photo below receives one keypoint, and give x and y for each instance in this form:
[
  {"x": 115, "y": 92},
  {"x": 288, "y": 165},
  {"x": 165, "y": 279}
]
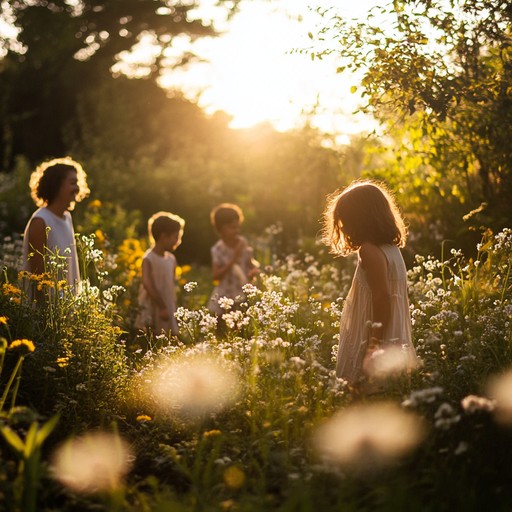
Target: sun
[{"x": 255, "y": 73}]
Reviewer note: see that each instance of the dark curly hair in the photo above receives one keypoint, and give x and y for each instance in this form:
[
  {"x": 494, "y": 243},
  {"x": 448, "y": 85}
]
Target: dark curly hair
[{"x": 46, "y": 180}]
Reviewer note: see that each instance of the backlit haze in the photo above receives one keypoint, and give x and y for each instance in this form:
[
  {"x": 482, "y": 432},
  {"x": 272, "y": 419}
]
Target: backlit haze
[{"x": 253, "y": 74}]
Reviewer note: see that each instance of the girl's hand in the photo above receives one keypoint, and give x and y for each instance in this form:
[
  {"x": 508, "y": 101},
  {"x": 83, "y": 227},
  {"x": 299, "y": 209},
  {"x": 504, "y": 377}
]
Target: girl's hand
[{"x": 239, "y": 248}]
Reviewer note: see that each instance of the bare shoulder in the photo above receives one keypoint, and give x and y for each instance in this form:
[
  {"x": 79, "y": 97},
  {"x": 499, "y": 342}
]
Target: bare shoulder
[
  {"x": 37, "y": 228},
  {"x": 371, "y": 256}
]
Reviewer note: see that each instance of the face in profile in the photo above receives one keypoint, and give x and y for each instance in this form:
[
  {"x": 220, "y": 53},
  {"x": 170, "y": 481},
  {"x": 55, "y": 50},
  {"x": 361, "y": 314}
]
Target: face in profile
[{"x": 68, "y": 188}]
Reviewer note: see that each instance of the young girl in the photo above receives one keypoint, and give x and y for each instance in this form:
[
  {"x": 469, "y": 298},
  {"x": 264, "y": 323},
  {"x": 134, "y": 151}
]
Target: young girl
[
  {"x": 364, "y": 218},
  {"x": 233, "y": 264},
  {"x": 55, "y": 187},
  {"x": 157, "y": 294}
]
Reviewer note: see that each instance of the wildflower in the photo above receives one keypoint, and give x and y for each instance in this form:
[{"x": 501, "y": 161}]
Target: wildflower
[
  {"x": 142, "y": 418},
  {"x": 91, "y": 463},
  {"x": 188, "y": 287},
  {"x": 422, "y": 396},
  {"x": 370, "y": 436},
  {"x": 9, "y": 289},
  {"x": 472, "y": 404},
  {"x": 234, "y": 477},
  {"x": 226, "y": 303},
  {"x": 62, "y": 361},
  {"x": 24, "y": 344},
  {"x": 195, "y": 384},
  {"x": 212, "y": 433},
  {"x": 3, "y": 320},
  {"x": 445, "y": 417}
]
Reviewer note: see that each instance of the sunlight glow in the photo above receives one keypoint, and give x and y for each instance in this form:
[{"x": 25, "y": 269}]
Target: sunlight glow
[{"x": 253, "y": 73}]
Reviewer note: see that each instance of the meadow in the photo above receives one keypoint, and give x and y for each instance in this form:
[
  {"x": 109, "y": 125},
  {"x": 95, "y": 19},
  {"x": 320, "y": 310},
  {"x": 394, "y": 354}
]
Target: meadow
[{"x": 250, "y": 416}]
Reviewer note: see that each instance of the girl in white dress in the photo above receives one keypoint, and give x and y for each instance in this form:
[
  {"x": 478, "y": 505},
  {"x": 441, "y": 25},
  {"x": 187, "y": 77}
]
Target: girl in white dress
[
  {"x": 55, "y": 186},
  {"x": 157, "y": 294},
  {"x": 364, "y": 219}
]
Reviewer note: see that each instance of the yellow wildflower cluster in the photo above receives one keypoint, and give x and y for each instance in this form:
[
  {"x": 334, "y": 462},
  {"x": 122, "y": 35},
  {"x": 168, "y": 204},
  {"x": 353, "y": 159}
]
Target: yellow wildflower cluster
[
  {"x": 143, "y": 418},
  {"x": 10, "y": 290},
  {"x": 129, "y": 257},
  {"x": 23, "y": 344}
]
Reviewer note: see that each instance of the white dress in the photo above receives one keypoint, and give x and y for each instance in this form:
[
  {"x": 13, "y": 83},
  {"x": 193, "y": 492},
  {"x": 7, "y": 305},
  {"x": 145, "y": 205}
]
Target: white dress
[
  {"x": 357, "y": 317},
  {"x": 61, "y": 236},
  {"x": 163, "y": 270}
]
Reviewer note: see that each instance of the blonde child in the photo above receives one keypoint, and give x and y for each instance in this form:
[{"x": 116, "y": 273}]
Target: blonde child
[
  {"x": 55, "y": 186},
  {"x": 364, "y": 219},
  {"x": 157, "y": 294},
  {"x": 233, "y": 264}
]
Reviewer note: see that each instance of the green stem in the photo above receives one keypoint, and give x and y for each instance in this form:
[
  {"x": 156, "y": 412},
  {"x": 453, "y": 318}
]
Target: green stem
[{"x": 9, "y": 383}]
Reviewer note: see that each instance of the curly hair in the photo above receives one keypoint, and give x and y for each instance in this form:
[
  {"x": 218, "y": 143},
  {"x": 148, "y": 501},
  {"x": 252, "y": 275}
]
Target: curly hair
[
  {"x": 225, "y": 213},
  {"x": 365, "y": 211},
  {"x": 47, "y": 178}
]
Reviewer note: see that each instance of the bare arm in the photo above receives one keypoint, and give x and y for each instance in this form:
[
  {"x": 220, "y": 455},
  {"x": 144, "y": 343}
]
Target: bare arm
[
  {"x": 36, "y": 245},
  {"x": 149, "y": 285},
  {"x": 375, "y": 264}
]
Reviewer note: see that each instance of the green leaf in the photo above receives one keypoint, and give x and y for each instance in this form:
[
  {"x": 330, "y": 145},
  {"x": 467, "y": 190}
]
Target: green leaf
[
  {"x": 13, "y": 439},
  {"x": 46, "y": 430}
]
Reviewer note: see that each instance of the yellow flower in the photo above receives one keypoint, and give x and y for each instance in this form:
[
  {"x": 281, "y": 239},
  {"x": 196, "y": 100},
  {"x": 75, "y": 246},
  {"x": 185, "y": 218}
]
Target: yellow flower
[
  {"x": 62, "y": 361},
  {"x": 27, "y": 344},
  {"x": 9, "y": 289},
  {"x": 3, "y": 320},
  {"x": 212, "y": 433},
  {"x": 234, "y": 477},
  {"x": 95, "y": 204},
  {"x": 143, "y": 418},
  {"x": 100, "y": 236},
  {"x": 22, "y": 274}
]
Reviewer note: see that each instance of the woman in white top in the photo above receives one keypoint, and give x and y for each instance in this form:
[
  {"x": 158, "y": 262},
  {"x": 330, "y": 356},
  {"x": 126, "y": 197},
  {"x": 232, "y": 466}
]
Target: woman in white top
[
  {"x": 364, "y": 219},
  {"x": 55, "y": 186}
]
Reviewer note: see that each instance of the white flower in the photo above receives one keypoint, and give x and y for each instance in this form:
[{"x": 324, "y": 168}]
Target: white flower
[
  {"x": 190, "y": 286},
  {"x": 92, "y": 463},
  {"x": 226, "y": 303},
  {"x": 194, "y": 384},
  {"x": 369, "y": 436}
]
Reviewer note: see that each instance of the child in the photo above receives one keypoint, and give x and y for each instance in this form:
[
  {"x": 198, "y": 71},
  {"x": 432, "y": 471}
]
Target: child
[
  {"x": 157, "y": 295},
  {"x": 233, "y": 264},
  {"x": 55, "y": 186},
  {"x": 364, "y": 218}
]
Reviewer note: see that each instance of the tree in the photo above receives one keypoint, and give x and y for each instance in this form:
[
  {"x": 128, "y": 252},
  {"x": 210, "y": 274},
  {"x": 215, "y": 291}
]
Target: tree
[
  {"x": 64, "y": 48},
  {"x": 439, "y": 74}
]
